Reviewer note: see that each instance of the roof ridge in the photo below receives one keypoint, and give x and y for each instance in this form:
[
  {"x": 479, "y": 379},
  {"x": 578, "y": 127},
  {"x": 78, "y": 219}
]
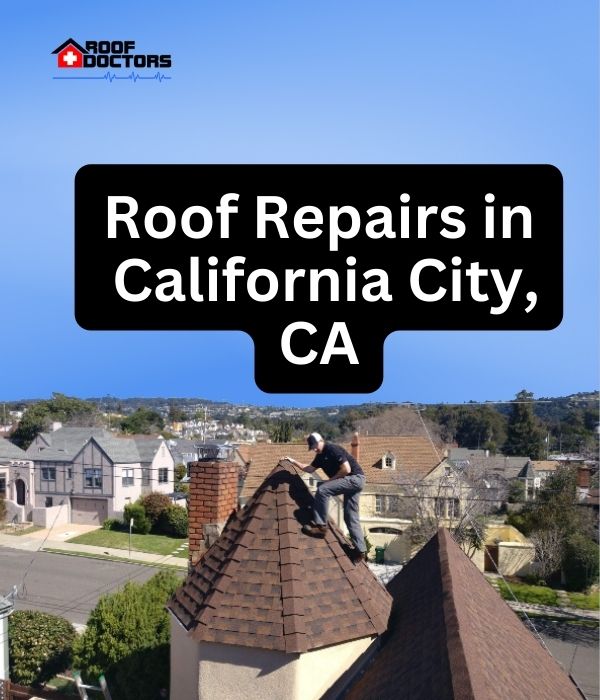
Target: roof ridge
[
  {"x": 264, "y": 584},
  {"x": 457, "y": 657}
]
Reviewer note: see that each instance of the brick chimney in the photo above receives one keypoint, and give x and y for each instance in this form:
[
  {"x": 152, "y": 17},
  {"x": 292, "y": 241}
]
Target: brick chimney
[
  {"x": 213, "y": 496},
  {"x": 355, "y": 447},
  {"x": 583, "y": 482}
]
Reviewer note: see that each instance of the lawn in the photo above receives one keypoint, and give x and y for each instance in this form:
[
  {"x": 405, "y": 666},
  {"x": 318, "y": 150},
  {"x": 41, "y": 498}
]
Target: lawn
[
  {"x": 154, "y": 544},
  {"x": 539, "y": 595},
  {"x": 590, "y": 601}
]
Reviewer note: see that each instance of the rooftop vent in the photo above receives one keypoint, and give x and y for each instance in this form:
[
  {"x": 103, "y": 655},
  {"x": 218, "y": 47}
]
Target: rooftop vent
[{"x": 213, "y": 452}]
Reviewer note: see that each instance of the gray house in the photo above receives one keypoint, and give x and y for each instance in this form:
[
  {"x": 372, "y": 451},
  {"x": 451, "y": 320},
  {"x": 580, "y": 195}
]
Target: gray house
[
  {"x": 16, "y": 481},
  {"x": 96, "y": 474}
]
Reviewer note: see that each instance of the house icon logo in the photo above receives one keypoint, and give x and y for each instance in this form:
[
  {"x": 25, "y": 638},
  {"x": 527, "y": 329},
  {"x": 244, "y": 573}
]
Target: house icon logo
[{"x": 70, "y": 54}]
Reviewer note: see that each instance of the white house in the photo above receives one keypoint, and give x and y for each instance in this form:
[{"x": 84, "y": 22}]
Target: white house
[{"x": 96, "y": 474}]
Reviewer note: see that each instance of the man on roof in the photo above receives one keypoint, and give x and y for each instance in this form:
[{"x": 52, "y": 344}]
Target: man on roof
[{"x": 346, "y": 478}]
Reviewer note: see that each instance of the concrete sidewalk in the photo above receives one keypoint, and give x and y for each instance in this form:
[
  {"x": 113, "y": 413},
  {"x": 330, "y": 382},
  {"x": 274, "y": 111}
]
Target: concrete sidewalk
[{"x": 45, "y": 540}]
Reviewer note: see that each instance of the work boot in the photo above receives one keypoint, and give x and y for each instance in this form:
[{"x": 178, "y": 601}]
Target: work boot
[
  {"x": 314, "y": 530},
  {"x": 356, "y": 555}
]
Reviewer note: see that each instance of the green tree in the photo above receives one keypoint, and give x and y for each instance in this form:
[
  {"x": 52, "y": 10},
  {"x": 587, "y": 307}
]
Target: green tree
[
  {"x": 581, "y": 562},
  {"x": 127, "y": 639},
  {"x": 556, "y": 523},
  {"x": 143, "y": 421},
  {"x": 141, "y": 522},
  {"x": 180, "y": 472},
  {"x": 154, "y": 505},
  {"x": 524, "y": 435},
  {"x": 40, "y": 646},
  {"x": 66, "y": 409},
  {"x": 176, "y": 414},
  {"x": 282, "y": 432}
]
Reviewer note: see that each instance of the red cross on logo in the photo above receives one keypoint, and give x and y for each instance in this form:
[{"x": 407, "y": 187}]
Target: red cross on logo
[{"x": 70, "y": 57}]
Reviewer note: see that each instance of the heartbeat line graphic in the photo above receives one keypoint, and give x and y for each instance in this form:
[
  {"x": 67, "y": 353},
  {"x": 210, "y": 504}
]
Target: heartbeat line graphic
[{"x": 133, "y": 76}]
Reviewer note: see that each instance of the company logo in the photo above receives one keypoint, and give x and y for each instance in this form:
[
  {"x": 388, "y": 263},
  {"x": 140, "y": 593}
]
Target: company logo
[{"x": 109, "y": 55}]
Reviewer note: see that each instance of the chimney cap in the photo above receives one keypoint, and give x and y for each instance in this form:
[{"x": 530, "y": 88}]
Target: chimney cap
[{"x": 214, "y": 452}]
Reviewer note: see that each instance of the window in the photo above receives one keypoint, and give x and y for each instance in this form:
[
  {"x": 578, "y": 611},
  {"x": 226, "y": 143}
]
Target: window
[
  {"x": 127, "y": 477},
  {"x": 453, "y": 508},
  {"x": 440, "y": 507},
  {"x": 48, "y": 473},
  {"x": 387, "y": 504},
  {"x": 388, "y": 461},
  {"x": 92, "y": 478},
  {"x": 146, "y": 476},
  {"x": 69, "y": 472},
  {"x": 48, "y": 501},
  {"x": 393, "y": 504},
  {"x": 2, "y": 486},
  {"x": 163, "y": 476},
  {"x": 447, "y": 507}
]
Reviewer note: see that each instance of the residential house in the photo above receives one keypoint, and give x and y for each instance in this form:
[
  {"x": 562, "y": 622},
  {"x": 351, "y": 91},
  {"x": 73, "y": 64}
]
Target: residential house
[
  {"x": 268, "y": 609},
  {"x": 16, "y": 481},
  {"x": 392, "y": 465},
  {"x": 90, "y": 474},
  {"x": 270, "y": 612}
]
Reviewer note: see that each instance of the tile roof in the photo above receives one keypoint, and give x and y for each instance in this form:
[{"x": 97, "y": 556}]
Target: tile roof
[
  {"x": 415, "y": 457},
  {"x": 265, "y": 584},
  {"x": 451, "y": 636},
  {"x": 10, "y": 451},
  {"x": 545, "y": 465}
]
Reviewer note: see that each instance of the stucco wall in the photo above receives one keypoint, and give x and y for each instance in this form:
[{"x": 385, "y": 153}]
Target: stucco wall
[
  {"x": 318, "y": 670},
  {"x": 125, "y": 494},
  {"x": 206, "y": 671},
  {"x": 184, "y": 663},
  {"x": 515, "y": 558},
  {"x": 50, "y": 517}
]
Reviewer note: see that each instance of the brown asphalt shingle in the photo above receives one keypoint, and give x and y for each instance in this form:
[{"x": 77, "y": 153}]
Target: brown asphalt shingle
[
  {"x": 265, "y": 584},
  {"x": 451, "y": 637}
]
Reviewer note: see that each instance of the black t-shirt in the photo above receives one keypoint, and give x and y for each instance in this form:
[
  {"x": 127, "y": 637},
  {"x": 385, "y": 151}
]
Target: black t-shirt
[{"x": 331, "y": 459}]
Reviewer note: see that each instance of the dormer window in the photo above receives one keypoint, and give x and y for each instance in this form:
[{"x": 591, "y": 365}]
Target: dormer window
[{"x": 388, "y": 461}]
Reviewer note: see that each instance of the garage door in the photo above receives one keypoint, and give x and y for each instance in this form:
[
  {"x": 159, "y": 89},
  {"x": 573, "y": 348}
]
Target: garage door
[{"x": 89, "y": 511}]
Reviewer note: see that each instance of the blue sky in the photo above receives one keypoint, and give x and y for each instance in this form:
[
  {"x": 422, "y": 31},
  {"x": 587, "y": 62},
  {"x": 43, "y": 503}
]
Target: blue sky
[{"x": 317, "y": 82}]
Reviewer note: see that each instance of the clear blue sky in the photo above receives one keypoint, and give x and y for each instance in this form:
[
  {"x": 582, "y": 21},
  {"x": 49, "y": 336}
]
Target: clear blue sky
[{"x": 417, "y": 81}]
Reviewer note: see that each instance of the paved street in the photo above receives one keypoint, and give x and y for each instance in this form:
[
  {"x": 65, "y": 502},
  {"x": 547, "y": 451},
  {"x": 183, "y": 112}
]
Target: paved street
[
  {"x": 576, "y": 649},
  {"x": 64, "y": 585}
]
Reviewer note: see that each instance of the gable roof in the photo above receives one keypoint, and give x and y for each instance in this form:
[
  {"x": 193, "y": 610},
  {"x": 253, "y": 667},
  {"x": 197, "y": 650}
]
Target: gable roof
[
  {"x": 415, "y": 457},
  {"x": 73, "y": 43},
  {"x": 451, "y": 636},
  {"x": 498, "y": 465},
  {"x": 9, "y": 450},
  {"x": 64, "y": 444},
  {"x": 265, "y": 584}
]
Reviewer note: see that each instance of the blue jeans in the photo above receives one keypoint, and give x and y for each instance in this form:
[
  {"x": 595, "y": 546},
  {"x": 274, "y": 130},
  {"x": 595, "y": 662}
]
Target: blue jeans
[{"x": 350, "y": 487}]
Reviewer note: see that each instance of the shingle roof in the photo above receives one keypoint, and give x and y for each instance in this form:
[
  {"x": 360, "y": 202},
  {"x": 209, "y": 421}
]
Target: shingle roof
[
  {"x": 265, "y": 584},
  {"x": 528, "y": 472},
  {"x": 65, "y": 443},
  {"x": 507, "y": 467},
  {"x": 147, "y": 447},
  {"x": 451, "y": 636},
  {"x": 8, "y": 450},
  {"x": 415, "y": 457}
]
